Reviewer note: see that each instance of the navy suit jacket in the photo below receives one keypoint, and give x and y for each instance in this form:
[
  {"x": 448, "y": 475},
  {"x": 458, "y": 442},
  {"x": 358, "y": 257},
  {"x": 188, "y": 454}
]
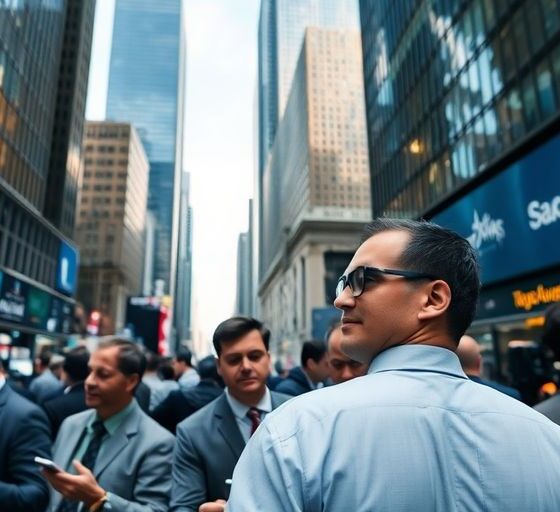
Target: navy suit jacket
[
  {"x": 506, "y": 390},
  {"x": 59, "y": 408},
  {"x": 24, "y": 434}
]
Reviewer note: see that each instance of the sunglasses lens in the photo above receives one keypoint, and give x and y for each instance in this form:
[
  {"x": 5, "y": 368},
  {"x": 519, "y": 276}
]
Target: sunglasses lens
[
  {"x": 340, "y": 286},
  {"x": 356, "y": 279}
]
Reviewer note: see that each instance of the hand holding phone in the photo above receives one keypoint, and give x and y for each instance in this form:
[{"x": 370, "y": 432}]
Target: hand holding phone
[{"x": 47, "y": 464}]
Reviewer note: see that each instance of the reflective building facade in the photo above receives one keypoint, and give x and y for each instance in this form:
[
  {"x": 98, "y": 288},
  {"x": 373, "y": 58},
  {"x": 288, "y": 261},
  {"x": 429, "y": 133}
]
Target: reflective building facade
[
  {"x": 146, "y": 89},
  {"x": 38, "y": 260},
  {"x": 315, "y": 190},
  {"x": 282, "y": 26},
  {"x": 463, "y": 112},
  {"x": 451, "y": 86}
]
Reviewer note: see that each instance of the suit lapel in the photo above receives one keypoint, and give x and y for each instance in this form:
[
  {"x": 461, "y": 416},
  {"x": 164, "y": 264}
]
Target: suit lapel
[
  {"x": 227, "y": 426},
  {"x": 69, "y": 445},
  {"x": 117, "y": 442},
  {"x": 4, "y": 392}
]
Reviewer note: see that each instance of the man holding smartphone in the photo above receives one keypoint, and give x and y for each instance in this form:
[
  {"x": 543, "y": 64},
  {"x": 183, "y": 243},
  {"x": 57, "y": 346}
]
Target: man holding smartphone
[
  {"x": 24, "y": 434},
  {"x": 113, "y": 457}
]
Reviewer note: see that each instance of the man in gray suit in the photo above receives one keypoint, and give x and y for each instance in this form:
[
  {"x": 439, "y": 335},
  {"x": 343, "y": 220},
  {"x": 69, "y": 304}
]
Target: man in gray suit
[
  {"x": 210, "y": 441},
  {"x": 113, "y": 457}
]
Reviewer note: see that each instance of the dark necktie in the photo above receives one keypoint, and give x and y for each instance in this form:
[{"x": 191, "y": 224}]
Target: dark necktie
[
  {"x": 88, "y": 460},
  {"x": 255, "y": 416}
]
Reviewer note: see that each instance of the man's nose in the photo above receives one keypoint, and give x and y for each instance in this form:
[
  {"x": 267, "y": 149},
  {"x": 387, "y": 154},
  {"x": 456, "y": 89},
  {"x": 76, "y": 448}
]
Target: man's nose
[
  {"x": 345, "y": 299},
  {"x": 347, "y": 372}
]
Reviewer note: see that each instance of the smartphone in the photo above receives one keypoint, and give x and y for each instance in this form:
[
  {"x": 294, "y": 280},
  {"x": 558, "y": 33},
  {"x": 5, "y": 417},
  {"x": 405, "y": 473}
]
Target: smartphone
[{"x": 47, "y": 464}]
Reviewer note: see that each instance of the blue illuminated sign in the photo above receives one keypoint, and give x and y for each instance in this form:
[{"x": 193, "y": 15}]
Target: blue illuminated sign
[
  {"x": 513, "y": 220},
  {"x": 67, "y": 269}
]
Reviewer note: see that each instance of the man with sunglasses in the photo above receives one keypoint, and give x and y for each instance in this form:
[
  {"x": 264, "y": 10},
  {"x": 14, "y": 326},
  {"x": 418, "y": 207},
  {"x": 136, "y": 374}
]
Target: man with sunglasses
[{"x": 415, "y": 433}]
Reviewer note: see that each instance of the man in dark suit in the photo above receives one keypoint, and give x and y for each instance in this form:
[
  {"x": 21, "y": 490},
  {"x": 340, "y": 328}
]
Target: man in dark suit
[
  {"x": 312, "y": 373},
  {"x": 210, "y": 441},
  {"x": 468, "y": 352},
  {"x": 113, "y": 457},
  {"x": 181, "y": 403},
  {"x": 24, "y": 435},
  {"x": 74, "y": 373}
]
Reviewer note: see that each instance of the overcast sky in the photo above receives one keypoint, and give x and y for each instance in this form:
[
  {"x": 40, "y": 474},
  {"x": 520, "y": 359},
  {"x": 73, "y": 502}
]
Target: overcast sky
[{"x": 219, "y": 153}]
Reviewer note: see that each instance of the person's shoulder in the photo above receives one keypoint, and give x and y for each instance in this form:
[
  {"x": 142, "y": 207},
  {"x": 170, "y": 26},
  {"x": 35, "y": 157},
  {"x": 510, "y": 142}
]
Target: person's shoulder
[
  {"x": 203, "y": 418},
  {"x": 155, "y": 432},
  {"x": 20, "y": 406},
  {"x": 279, "y": 398}
]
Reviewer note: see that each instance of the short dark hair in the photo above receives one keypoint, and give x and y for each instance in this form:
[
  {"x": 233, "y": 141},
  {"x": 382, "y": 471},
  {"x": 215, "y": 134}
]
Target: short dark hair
[
  {"x": 315, "y": 350},
  {"x": 44, "y": 357},
  {"x": 440, "y": 252},
  {"x": 166, "y": 372},
  {"x": 153, "y": 361},
  {"x": 236, "y": 327},
  {"x": 184, "y": 355},
  {"x": 551, "y": 329},
  {"x": 76, "y": 364},
  {"x": 207, "y": 369},
  {"x": 131, "y": 357}
]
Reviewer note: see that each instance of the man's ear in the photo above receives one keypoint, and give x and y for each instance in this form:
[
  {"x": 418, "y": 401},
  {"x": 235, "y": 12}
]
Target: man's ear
[
  {"x": 218, "y": 367},
  {"x": 436, "y": 300},
  {"x": 133, "y": 381}
]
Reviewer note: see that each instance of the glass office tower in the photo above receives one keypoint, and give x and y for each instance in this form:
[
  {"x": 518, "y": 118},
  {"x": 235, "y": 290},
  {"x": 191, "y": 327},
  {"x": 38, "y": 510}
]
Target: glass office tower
[
  {"x": 463, "y": 112},
  {"x": 146, "y": 88},
  {"x": 451, "y": 87},
  {"x": 282, "y": 26}
]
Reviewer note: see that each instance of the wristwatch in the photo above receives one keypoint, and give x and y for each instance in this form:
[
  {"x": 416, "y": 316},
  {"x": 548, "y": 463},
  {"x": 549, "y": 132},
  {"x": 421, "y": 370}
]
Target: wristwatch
[{"x": 99, "y": 505}]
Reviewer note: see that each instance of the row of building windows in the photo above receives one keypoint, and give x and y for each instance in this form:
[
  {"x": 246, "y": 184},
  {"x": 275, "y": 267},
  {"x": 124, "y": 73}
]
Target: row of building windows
[{"x": 467, "y": 106}]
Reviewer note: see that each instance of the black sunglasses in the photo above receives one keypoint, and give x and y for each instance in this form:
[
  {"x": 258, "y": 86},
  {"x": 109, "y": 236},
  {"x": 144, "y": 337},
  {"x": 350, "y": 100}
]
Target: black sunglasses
[{"x": 358, "y": 277}]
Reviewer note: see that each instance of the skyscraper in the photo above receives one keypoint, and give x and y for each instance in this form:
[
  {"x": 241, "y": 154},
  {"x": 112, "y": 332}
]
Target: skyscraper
[
  {"x": 184, "y": 266},
  {"x": 44, "y": 57},
  {"x": 66, "y": 160},
  {"x": 282, "y": 26},
  {"x": 315, "y": 189},
  {"x": 111, "y": 220},
  {"x": 146, "y": 88}
]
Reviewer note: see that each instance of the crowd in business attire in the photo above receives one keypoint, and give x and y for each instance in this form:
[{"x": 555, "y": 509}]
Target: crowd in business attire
[{"x": 390, "y": 414}]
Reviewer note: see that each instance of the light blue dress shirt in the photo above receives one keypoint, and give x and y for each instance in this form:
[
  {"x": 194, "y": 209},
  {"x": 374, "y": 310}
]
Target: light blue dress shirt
[{"x": 413, "y": 435}]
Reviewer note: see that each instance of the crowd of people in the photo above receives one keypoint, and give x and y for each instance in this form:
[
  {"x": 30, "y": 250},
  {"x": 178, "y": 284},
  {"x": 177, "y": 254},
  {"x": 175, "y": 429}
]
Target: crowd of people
[{"x": 389, "y": 413}]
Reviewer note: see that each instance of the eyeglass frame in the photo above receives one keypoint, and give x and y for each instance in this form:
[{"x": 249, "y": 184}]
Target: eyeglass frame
[{"x": 406, "y": 274}]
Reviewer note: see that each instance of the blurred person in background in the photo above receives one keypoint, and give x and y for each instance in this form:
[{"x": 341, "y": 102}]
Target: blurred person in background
[
  {"x": 166, "y": 376},
  {"x": 24, "y": 435},
  {"x": 74, "y": 372},
  {"x": 185, "y": 373},
  {"x": 113, "y": 456},
  {"x": 281, "y": 374},
  {"x": 342, "y": 367},
  {"x": 45, "y": 385},
  {"x": 468, "y": 352},
  {"x": 312, "y": 373},
  {"x": 181, "y": 403}
]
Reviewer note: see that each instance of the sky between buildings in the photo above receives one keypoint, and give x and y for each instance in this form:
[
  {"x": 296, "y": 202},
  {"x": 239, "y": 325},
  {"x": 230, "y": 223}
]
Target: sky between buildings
[{"x": 219, "y": 138}]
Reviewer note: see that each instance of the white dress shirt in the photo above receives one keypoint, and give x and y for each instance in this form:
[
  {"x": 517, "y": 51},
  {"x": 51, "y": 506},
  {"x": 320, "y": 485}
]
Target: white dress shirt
[
  {"x": 240, "y": 412},
  {"x": 413, "y": 434}
]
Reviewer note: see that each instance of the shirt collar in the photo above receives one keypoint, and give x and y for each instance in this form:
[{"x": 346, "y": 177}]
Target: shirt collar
[
  {"x": 2, "y": 381},
  {"x": 114, "y": 422},
  {"x": 240, "y": 410},
  {"x": 424, "y": 358}
]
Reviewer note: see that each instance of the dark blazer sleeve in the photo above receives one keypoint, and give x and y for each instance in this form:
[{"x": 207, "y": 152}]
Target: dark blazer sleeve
[
  {"x": 188, "y": 489},
  {"x": 28, "y": 490}
]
